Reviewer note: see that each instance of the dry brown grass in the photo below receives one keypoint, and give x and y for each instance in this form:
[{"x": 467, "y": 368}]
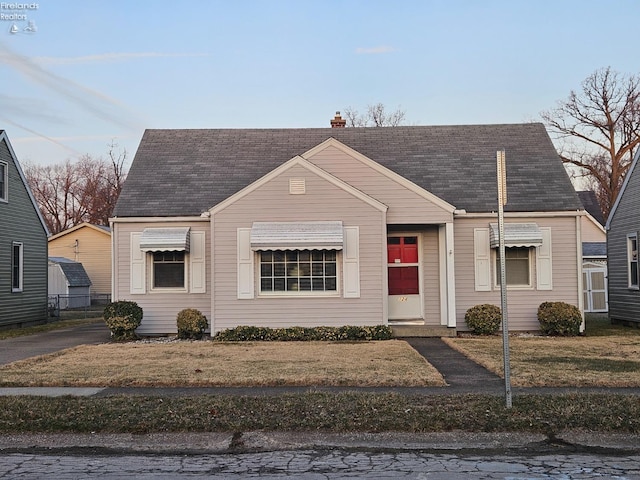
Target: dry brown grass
[
  {"x": 608, "y": 361},
  {"x": 205, "y": 363}
]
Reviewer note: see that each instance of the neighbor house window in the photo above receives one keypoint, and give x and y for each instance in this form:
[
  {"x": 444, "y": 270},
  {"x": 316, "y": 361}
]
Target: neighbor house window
[
  {"x": 517, "y": 266},
  {"x": 16, "y": 267},
  {"x": 168, "y": 270},
  {"x": 632, "y": 253},
  {"x": 298, "y": 271},
  {"x": 3, "y": 181}
]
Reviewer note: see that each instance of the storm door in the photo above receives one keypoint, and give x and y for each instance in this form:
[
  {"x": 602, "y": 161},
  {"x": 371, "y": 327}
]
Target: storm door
[{"x": 405, "y": 298}]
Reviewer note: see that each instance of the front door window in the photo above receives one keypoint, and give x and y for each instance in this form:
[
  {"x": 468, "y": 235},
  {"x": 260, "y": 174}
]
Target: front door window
[{"x": 402, "y": 255}]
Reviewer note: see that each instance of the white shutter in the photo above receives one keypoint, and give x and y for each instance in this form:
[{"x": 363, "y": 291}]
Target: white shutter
[
  {"x": 351, "y": 262},
  {"x": 543, "y": 261},
  {"x": 137, "y": 265},
  {"x": 482, "y": 259},
  {"x": 245, "y": 264},
  {"x": 197, "y": 266}
]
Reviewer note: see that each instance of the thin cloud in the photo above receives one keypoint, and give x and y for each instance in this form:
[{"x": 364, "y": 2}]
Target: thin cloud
[
  {"x": 374, "y": 50},
  {"x": 40, "y": 135},
  {"x": 110, "y": 57},
  {"x": 30, "y": 108},
  {"x": 97, "y": 103}
]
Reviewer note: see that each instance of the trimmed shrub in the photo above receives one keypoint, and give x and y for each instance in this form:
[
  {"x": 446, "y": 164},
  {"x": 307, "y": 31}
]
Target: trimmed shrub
[
  {"x": 122, "y": 318},
  {"x": 559, "y": 319},
  {"x": 483, "y": 319},
  {"x": 298, "y": 334},
  {"x": 191, "y": 324}
]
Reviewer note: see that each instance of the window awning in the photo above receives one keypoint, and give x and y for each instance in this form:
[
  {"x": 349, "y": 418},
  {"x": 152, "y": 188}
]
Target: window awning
[
  {"x": 517, "y": 235},
  {"x": 165, "y": 239},
  {"x": 296, "y": 236}
]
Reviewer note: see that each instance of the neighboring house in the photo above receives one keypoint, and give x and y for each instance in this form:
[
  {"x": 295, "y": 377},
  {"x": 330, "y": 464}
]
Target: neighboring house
[
  {"x": 594, "y": 254},
  {"x": 335, "y": 226},
  {"x": 90, "y": 245},
  {"x": 69, "y": 284},
  {"x": 623, "y": 238},
  {"x": 23, "y": 246}
]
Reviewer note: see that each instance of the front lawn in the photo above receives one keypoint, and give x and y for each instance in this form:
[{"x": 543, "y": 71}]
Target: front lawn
[
  {"x": 207, "y": 363},
  {"x": 607, "y": 356}
]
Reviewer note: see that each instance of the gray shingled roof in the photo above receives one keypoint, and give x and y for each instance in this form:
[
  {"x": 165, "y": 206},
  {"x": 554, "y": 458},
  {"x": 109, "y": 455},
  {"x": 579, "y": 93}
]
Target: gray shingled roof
[
  {"x": 186, "y": 172},
  {"x": 591, "y": 205},
  {"x": 74, "y": 271},
  {"x": 594, "y": 249}
]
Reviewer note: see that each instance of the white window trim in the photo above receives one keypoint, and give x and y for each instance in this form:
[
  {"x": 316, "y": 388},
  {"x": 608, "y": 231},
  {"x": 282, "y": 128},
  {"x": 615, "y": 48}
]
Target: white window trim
[
  {"x": 299, "y": 293},
  {"x": 151, "y": 276},
  {"x": 21, "y": 267},
  {"x": 5, "y": 196},
  {"x": 630, "y": 237},
  {"x": 141, "y": 268},
  {"x": 494, "y": 262}
]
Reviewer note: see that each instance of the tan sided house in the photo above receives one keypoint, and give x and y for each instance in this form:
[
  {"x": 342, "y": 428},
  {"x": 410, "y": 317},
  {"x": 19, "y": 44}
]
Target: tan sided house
[
  {"x": 343, "y": 226},
  {"x": 90, "y": 245}
]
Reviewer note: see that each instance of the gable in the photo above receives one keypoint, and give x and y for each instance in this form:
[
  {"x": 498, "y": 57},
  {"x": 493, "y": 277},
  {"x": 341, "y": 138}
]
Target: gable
[
  {"x": 298, "y": 169},
  {"x": 86, "y": 229},
  {"x": 20, "y": 201},
  {"x": 187, "y": 172},
  {"x": 407, "y": 202}
]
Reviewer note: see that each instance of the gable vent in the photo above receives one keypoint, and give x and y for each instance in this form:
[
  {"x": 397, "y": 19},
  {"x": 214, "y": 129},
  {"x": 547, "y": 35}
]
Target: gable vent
[{"x": 297, "y": 186}]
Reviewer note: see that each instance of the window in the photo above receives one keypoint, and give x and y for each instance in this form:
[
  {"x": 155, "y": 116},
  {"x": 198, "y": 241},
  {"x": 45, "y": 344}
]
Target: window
[
  {"x": 168, "y": 270},
  {"x": 3, "y": 181},
  {"x": 298, "y": 271},
  {"x": 16, "y": 267},
  {"x": 632, "y": 254},
  {"x": 517, "y": 266}
]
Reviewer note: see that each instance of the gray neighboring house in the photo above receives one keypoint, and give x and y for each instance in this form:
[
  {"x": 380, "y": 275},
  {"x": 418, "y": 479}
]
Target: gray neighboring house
[
  {"x": 23, "y": 246},
  {"x": 623, "y": 238},
  {"x": 69, "y": 284},
  {"x": 333, "y": 226}
]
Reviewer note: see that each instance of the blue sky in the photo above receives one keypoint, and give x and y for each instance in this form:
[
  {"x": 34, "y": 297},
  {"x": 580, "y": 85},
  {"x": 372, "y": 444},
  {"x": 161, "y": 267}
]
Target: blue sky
[{"x": 94, "y": 71}]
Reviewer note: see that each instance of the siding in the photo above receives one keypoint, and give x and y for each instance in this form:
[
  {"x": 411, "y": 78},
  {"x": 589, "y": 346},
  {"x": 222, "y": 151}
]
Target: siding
[
  {"x": 159, "y": 308},
  {"x": 405, "y": 206},
  {"x": 19, "y": 222},
  {"x": 323, "y": 201},
  {"x": 591, "y": 230},
  {"x": 522, "y": 303},
  {"x": 94, "y": 252},
  {"x": 624, "y": 303}
]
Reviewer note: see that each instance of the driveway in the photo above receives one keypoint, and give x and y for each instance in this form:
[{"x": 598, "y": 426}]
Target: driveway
[{"x": 19, "y": 348}]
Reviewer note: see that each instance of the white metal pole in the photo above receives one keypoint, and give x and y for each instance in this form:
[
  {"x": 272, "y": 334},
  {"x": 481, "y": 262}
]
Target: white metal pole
[{"x": 502, "y": 200}]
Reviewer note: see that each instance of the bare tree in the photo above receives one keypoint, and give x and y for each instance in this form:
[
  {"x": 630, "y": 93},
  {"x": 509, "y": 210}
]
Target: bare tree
[
  {"x": 85, "y": 191},
  {"x": 598, "y": 130},
  {"x": 375, "y": 116}
]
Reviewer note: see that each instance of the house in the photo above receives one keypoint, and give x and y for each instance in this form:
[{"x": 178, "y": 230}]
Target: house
[
  {"x": 623, "y": 237},
  {"x": 594, "y": 254},
  {"x": 69, "y": 284},
  {"x": 23, "y": 246},
  {"x": 334, "y": 226},
  {"x": 90, "y": 245}
]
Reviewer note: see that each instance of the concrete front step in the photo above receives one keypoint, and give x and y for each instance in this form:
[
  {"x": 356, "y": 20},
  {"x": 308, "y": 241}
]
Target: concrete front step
[{"x": 422, "y": 331}]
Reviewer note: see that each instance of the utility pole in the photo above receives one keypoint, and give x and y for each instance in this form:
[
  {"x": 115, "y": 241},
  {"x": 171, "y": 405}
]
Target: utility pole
[{"x": 502, "y": 200}]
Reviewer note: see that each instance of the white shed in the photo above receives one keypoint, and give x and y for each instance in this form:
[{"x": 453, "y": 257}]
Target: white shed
[{"x": 69, "y": 284}]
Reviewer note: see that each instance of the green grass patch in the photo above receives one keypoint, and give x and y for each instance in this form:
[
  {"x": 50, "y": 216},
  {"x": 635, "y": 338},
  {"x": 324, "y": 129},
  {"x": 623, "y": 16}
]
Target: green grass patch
[
  {"x": 341, "y": 412},
  {"x": 599, "y": 325}
]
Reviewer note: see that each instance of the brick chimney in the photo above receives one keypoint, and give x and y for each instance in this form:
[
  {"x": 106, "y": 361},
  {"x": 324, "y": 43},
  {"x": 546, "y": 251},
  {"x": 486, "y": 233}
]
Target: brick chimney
[{"x": 338, "y": 121}]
